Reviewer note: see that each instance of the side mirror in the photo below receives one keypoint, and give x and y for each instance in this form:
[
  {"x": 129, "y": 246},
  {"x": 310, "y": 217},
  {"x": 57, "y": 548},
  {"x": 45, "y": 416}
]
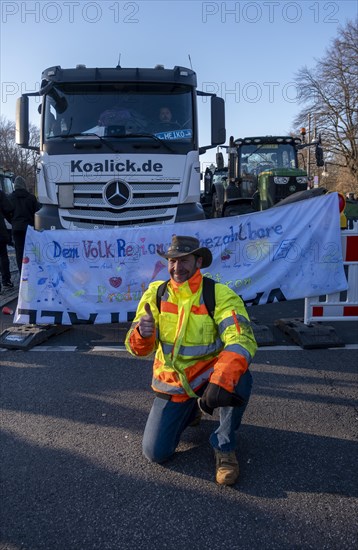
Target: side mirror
[
  {"x": 22, "y": 121},
  {"x": 218, "y": 131}
]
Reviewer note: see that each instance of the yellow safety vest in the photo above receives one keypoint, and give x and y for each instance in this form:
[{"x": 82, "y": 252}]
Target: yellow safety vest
[{"x": 191, "y": 347}]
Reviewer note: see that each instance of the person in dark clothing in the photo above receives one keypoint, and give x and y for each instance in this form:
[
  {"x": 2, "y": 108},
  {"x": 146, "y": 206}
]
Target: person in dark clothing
[
  {"x": 6, "y": 211},
  {"x": 25, "y": 205}
]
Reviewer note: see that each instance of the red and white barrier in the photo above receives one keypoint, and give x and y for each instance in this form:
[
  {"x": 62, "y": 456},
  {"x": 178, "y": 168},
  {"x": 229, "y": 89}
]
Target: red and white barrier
[{"x": 340, "y": 306}]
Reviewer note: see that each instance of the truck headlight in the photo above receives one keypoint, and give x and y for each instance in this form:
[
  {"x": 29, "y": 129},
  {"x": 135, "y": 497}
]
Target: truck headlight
[{"x": 281, "y": 180}]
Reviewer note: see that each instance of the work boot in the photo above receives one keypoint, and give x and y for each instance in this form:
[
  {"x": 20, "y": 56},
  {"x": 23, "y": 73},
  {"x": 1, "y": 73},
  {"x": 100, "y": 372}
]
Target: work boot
[{"x": 227, "y": 467}]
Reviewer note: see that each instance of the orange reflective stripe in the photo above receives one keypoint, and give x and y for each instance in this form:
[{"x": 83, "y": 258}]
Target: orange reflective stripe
[
  {"x": 168, "y": 381},
  {"x": 199, "y": 310},
  {"x": 192, "y": 372},
  {"x": 236, "y": 321},
  {"x": 199, "y": 367},
  {"x": 168, "y": 377},
  {"x": 179, "y": 398},
  {"x": 168, "y": 307}
]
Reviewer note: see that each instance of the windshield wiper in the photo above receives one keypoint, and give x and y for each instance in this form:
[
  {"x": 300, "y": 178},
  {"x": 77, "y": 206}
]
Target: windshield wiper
[
  {"x": 106, "y": 139},
  {"x": 79, "y": 135},
  {"x": 144, "y": 134}
]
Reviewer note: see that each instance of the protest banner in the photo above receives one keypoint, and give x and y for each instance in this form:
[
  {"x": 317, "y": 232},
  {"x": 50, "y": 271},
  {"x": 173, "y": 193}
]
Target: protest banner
[{"x": 98, "y": 276}]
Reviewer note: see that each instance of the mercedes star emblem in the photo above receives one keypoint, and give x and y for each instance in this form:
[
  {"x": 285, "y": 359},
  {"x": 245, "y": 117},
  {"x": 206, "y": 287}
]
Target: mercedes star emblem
[{"x": 116, "y": 193}]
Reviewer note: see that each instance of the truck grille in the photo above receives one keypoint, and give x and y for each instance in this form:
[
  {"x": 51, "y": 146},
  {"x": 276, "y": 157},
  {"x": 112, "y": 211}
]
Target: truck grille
[
  {"x": 150, "y": 203},
  {"x": 283, "y": 191}
]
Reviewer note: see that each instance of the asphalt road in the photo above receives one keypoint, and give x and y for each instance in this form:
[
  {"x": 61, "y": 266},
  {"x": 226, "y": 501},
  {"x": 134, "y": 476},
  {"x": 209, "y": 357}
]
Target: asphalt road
[
  {"x": 73, "y": 410},
  {"x": 73, "y": 476}
]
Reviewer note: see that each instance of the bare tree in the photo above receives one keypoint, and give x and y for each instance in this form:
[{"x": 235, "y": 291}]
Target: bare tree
[
  {"x": 22, "y": 162},
  {"x": 329, "y": 92}
]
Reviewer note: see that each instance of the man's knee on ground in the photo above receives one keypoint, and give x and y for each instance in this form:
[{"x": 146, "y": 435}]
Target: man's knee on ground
[{"x": 155, "y": 455}]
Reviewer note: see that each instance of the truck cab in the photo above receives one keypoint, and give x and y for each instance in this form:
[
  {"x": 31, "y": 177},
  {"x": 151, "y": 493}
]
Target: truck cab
[{"x": 118, "y": 146}]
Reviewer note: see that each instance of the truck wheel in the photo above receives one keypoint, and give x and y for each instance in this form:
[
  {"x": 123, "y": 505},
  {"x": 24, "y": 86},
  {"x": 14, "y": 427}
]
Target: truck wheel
[{"x": 216, "y": 209}]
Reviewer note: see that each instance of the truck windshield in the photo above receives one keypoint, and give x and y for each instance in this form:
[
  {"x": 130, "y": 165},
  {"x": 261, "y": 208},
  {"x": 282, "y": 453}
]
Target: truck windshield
[
  {"x": 254, "y": 159},
  {"x": 117, "y": 110}
]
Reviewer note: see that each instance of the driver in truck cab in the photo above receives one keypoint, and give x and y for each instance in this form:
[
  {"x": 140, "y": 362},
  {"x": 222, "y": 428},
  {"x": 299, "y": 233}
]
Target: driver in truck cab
[{"x": 165, "y": 114}]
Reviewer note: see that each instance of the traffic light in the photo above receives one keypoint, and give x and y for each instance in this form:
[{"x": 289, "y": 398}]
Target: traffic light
[{"x": 319, "y": 155}]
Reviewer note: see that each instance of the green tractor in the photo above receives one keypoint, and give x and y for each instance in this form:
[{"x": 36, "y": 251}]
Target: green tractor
[{"x": 261, "y": 172}]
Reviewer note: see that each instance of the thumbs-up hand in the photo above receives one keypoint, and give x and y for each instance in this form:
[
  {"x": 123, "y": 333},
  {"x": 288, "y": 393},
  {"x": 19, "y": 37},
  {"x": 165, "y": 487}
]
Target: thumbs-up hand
[{"x": 146, "y": 323}]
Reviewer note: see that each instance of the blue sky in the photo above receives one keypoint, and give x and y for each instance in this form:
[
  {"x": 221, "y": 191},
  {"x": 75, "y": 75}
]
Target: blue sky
[{"x": 247, "y": 52}]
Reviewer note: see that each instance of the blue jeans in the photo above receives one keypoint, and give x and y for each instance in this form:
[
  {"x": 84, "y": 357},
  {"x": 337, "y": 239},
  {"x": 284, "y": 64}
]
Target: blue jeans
[{"x": 167, "y": 420}]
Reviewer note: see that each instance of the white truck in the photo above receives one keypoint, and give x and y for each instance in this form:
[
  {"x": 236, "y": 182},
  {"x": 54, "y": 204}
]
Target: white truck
[{"x": 109, "y": 157}]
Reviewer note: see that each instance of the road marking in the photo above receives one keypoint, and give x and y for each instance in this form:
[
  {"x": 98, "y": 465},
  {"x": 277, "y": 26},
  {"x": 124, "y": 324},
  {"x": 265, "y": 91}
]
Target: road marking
[
  {"x": 298, "y": 348},
  {"x": 109, "y": 348},
  {"x": 54, "y": 348},
  {"x": 263, "y": 348},
  {"x": 123, "y": 348}
]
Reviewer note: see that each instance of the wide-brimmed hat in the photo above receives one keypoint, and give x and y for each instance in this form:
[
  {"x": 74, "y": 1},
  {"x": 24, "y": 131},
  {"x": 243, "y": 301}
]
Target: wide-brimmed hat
[{"x": 183, "y": 246}]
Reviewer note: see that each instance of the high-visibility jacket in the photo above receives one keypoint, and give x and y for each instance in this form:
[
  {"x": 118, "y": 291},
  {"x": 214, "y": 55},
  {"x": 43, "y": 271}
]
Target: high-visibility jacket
[{"x": 191, "y": 347}]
